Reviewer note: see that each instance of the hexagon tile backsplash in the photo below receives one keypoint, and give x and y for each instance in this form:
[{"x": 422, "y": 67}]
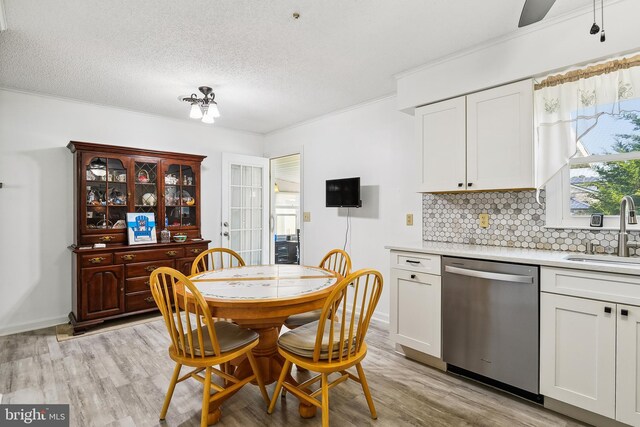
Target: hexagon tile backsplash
[{"x": 516, "y": 220}]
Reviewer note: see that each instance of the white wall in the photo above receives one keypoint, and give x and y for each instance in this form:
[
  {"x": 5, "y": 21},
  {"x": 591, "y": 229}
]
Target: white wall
[
  {"x": 538, "y": 49},
  {"x": 36, "y": 206},
  {"x": 376, "y": 143}
]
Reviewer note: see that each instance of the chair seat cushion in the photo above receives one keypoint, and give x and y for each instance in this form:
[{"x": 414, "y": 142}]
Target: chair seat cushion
[
  {"x": 298, "y": 320},
  {"x": 301, "y": 341},
  {"x": 230, "y": 337}
]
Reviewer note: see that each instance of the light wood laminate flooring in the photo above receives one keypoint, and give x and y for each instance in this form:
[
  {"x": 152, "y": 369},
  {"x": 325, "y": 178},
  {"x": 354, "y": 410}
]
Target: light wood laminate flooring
[{"x": 119, "y": 378}]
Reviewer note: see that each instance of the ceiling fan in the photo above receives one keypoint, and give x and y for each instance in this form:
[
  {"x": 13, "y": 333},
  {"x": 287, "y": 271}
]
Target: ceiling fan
[{"x": 534, "y": 11}]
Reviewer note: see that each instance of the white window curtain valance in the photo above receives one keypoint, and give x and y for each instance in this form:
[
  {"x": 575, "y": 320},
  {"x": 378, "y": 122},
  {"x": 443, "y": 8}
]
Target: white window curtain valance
[{"x": 568, "y": 106}]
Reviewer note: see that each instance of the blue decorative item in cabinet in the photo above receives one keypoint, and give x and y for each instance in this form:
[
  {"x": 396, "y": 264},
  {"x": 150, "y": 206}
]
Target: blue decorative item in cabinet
[{"x": 141, "y": 228}]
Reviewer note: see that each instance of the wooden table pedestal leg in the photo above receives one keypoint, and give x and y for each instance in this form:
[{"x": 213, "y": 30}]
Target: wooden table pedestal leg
[{"x": 269, "y": 363}]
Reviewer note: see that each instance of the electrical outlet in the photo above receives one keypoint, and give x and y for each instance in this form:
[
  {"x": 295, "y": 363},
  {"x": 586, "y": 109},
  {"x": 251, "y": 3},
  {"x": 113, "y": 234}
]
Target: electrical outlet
[
  {"x": 484, "y": 220},
  {"x": 306, "y": 217},
  {"x": 409, "y": 219}
]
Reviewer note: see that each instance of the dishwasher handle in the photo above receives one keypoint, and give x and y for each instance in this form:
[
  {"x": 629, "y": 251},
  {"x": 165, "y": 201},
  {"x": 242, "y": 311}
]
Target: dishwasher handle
[{"x": 489, "y": 275}]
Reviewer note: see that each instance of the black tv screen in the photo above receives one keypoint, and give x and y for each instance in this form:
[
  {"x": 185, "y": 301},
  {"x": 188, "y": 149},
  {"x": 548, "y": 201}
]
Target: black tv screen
[{"x": 343, "y": 193}]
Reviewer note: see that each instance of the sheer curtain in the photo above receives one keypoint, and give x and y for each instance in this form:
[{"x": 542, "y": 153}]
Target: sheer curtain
[{"x": 568, "y": 106}]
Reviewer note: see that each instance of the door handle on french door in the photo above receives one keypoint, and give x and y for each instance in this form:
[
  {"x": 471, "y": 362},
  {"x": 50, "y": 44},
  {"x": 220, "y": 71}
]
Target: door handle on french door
[
  {"x": 225, "y": 234},
  {"x": 225, "y": 224}
]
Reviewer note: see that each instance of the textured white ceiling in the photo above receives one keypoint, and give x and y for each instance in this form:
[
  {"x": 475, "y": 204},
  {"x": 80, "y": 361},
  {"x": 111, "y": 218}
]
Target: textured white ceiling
[{"x": 267, "y": 69}]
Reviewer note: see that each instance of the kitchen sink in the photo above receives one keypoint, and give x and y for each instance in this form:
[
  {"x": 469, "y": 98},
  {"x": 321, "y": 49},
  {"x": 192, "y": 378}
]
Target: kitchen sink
[{"x": 633, "y": 262}]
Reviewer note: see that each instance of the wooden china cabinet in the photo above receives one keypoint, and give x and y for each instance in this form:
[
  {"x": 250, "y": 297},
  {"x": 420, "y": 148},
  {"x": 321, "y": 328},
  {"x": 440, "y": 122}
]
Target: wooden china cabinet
[{"x": 110, "y": 181}]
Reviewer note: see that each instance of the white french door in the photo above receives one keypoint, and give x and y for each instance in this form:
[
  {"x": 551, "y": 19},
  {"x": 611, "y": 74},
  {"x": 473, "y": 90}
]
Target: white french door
[{"x": 245, "y": 215}]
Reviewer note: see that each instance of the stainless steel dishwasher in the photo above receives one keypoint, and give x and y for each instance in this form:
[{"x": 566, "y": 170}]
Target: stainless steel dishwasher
[{"x": 490, "y": 321}]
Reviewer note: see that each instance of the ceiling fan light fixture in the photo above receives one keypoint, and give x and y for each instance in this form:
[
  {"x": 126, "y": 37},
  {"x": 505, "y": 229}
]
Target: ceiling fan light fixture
[
  {"x": 196, "y": 111},
  {"x": 204, "y": 108},
  {"x": 213, "y": 109},
  {"x": 208, "y": 117}
]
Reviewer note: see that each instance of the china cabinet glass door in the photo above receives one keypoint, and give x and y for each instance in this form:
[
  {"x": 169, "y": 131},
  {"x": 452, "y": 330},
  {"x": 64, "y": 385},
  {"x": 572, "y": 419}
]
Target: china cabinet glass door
[
  {"x": 106, "y": 194},
  {"x": 180, "y": 196},
  {"x": 146, "y": 187}
]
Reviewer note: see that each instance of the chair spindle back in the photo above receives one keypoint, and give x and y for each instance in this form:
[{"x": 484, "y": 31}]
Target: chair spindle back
[
  {"x": 338, "y": 261},
  {"x": 216, "y": 259},
  {"x": 187, "y": 317},
  {"x": 353, "y": 308}
]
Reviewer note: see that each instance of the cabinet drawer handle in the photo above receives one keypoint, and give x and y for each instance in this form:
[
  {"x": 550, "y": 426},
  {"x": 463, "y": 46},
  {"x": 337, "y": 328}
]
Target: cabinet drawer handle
[
  {"x": 149, "y": 299},
  {"x": 607, "y": 310},
  {"x": 624, "y": 312},
  {"x": 128, "y": 257},
  {"x": 97, "y": 260},
  {"x": 470, "y": 184},
  {"x": 147, "y": 283},
  {"x": 172, "y": 253},
  {"x": 460, "y": 184},
  {"x": 150, "y": 268},
  {"x": 196, "y": 251},
  {"x": 106, "y": 238},
  {"x": 413, "y": 276},
  {"x": 410, "y": 261}
]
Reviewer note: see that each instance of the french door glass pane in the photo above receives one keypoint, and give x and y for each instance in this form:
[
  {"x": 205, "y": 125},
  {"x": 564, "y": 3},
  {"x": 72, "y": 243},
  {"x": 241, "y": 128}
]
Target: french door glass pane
[
  {"x": 257, "y": 177},
  {"x": 235, "y": 219},
  {"x": 235, "y": 175},
  {"x": 235, "y": 196},
  {"x": 235, "y": 240}
]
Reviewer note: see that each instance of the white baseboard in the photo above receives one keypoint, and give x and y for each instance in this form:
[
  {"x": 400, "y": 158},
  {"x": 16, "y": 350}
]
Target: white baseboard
[
  {"x": 31, "y": 326},
  {"x": 381, "y": 318}
]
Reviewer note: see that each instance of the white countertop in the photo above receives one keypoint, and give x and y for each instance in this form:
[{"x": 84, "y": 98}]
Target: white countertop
[{"x": 520, "y": 256}]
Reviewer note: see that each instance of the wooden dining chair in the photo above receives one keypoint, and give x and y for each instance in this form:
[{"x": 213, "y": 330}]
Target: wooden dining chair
[
  {"x": 332, "y": 344},
  {"x": 335, "y": 260},
  {"x": 216, "y": 259},
  {"x": 199, "y": 342}
]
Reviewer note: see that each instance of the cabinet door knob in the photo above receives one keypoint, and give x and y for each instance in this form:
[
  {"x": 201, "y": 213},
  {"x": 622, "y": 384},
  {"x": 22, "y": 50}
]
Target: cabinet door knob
[
  {"x": 151, "y": 268},
  {"x": 607, "y": 310},
  {"x": 413, "y": 276},
  {"x": 97, "y": 260},
  {"x": 624, "y": 312},
  {"x": 460, "y": 184},
  {"x": 469, "y": 184}
]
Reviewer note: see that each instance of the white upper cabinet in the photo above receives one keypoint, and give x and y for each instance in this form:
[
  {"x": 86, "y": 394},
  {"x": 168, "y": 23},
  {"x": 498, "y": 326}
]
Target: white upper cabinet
[
  {"x": 482, "y": 141},
  {"x": 441, "y": 128},
  {"x": 500, "y": 137}
]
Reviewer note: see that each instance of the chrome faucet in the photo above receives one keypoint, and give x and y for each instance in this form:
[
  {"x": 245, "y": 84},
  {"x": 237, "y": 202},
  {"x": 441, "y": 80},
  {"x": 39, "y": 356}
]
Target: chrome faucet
[{"x": 623, "y": 237}]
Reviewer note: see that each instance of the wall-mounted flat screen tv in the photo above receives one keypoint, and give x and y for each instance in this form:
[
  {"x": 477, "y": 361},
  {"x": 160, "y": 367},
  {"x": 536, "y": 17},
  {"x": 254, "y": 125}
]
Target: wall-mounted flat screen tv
[{"x": 343, "y": 193}]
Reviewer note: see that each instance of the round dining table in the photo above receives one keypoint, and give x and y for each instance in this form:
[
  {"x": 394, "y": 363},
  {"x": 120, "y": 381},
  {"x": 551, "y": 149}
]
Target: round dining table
[{"x": 261, "y": 297}]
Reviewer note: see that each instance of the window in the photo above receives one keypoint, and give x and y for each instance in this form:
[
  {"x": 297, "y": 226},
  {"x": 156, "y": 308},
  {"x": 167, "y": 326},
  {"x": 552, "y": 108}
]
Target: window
[
  {"x": 588, "y": 141},
  {"x": 605, "y": 168}
]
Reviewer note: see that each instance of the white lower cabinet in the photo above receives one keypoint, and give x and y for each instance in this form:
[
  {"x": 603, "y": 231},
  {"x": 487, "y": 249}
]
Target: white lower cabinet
[
  {"x": 578, "y": 352},
  {"x": 415, "y": 314},
  {"x": 590, "y": 349},
  {"x": 628, "y": 363}
]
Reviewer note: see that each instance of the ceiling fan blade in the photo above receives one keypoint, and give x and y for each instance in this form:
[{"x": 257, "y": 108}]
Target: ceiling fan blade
[{"x": 534, "y": 10}]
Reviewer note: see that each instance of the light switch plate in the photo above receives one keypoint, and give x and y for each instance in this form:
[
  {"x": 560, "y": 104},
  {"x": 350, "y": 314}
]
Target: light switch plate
[
  {"x": 306, "y": 217},
  {"x": 409, "y": 219},
  {"x": 484, "y": 220}
]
